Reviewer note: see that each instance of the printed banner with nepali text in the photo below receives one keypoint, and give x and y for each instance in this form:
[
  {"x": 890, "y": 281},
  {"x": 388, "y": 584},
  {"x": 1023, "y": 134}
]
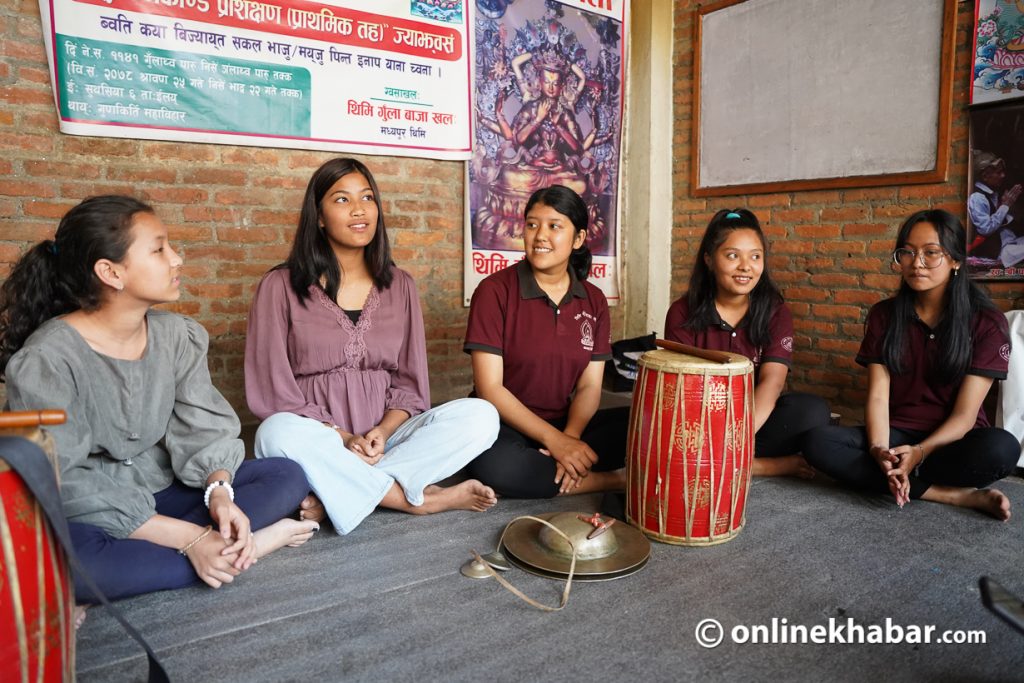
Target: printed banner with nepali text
[
  {"x": 366, "y": 76},
  {"x": 549, "y": 87}
]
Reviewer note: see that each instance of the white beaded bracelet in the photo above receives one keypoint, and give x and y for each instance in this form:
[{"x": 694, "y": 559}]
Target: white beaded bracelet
[{"x": 211, "y": 487}]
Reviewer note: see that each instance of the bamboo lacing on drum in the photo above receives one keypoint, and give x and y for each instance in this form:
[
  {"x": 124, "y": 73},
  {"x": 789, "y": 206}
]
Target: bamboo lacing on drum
[
  {"x": 515, "y": 591},
  {"x": 738, "y": 426}
]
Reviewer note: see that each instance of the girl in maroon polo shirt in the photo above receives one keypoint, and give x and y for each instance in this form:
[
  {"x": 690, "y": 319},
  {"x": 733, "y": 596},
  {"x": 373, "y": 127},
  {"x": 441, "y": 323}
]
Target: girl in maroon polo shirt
[
  {"x": 932, "y": 352},
  {"x": 733, "y": 305},
  {"x": 541, "y": 363}
]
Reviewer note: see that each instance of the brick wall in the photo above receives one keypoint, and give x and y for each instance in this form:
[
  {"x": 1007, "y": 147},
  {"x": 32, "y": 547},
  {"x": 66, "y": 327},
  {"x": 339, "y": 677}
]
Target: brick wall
[
  {"x": 232, "y": 210},
  {"x": 830, "y": 247}
]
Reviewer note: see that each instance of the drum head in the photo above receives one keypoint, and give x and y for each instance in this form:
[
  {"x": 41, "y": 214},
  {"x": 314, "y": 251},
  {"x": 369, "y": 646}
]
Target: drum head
[
  {"x": 681, "y": 363},
  {"x": 525, "y": 545}
]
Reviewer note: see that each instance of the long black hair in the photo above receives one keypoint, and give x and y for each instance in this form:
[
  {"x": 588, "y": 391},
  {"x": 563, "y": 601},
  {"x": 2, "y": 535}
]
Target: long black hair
[
  {"x": 765, "y": 296},
  {"x": 566, "y": 202},
  {"x": 312, "y": 258},
  {"x": 57, "y": 276},
  {"x": 963, "y": 299}
]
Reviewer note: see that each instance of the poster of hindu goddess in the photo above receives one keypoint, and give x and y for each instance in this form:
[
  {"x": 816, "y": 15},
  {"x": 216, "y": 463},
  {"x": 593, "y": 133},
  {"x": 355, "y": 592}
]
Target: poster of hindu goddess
[{"x": 548, "y": 111}]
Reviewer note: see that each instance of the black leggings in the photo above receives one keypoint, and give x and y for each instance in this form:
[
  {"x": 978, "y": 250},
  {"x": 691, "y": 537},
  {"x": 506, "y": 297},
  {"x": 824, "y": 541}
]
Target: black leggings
[
  {"x": 514, "y": 467},
  {"x": 982, "y": 456},
  {"x": 783, "y": 432}
]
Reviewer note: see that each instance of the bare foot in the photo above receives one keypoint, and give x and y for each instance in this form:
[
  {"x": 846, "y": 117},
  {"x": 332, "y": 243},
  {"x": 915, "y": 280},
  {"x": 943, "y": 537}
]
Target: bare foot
[
  {"x": 80, "y": 615},
  {"x": 784, "y": 466},
  {"x": 469, "y": 495},
  {"x": 992, "y": 502},
  {"x": 287, "y": 532},
  {"x": 312, "y": 509}
]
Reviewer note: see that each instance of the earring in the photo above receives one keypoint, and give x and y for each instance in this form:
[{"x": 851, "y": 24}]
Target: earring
[
  {"x": 955, "y": 271},
  {"x": 120, "y": 288}
]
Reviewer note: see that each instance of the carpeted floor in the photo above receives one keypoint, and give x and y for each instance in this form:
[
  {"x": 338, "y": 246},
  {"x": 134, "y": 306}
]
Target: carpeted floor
[{"x": 387, "y": 602}]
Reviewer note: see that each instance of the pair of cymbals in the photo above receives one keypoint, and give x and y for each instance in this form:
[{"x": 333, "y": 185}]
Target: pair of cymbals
[{"x": 604, "y": 550}]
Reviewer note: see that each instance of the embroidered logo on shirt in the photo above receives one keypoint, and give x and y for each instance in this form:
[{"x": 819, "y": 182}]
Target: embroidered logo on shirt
[
  {"x": 587, "y": 335},
  {"x": 787, "y": 343},
  {"x": 1004, "y": 352}
]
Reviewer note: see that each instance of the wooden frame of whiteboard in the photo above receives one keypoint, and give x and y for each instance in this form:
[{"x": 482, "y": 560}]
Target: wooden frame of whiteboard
[{"x": 937, "y": 174}]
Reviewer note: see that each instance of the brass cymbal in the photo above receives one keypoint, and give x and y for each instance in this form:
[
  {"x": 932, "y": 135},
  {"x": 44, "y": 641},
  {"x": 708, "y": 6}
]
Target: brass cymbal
[
  {"x": 618, "y": 549},
  {"x": 577, "y": 577}
]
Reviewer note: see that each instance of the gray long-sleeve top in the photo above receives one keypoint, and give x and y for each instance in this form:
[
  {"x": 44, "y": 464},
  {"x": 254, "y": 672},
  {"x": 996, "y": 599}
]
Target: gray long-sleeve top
[{"x": 133, "y": 426}]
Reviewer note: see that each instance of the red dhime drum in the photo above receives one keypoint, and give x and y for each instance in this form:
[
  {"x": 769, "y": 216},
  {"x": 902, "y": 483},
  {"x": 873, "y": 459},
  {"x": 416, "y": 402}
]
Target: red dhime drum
[
  {"x": 37, "y": 632},
  {"x": 690, "y": 447}
]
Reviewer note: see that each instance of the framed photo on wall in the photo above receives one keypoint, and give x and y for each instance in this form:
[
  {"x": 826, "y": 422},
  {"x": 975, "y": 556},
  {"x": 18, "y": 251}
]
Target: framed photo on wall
[
  {"x": 995, "y": 197},
  {"x": 998, "y": 51}
]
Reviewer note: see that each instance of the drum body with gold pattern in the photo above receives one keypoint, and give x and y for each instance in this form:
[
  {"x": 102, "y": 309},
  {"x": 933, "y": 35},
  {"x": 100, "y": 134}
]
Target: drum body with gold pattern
[
  {"x": 690, "y": 447},
  {"x": 37, "y": 632}
]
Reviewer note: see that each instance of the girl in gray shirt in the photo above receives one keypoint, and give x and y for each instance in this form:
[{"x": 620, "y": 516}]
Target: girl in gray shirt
[{"x": 153, "y": 481}]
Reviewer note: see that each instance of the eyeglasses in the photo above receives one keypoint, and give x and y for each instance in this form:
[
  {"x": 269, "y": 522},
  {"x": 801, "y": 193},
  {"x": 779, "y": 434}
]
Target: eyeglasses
[{"x": 930, "y": 257}]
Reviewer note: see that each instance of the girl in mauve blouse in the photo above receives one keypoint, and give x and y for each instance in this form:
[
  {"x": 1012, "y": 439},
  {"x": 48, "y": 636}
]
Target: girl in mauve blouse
[
  {"x": 149, "y": 456},
  {"x": 336, "y": 366}
]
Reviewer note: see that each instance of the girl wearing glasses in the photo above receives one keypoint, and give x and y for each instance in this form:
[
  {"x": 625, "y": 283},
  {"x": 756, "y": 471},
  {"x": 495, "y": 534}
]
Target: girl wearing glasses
[
  {"x": 733, "y": 305},
  {"x": 932, "y": 352}
]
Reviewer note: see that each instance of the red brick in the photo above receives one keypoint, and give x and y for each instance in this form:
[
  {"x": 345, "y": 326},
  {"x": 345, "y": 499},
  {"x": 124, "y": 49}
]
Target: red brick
[
  {"x": 173, "y": 195},
  {"x": 817, "y": 231},
  {"x": 927, "y": 191},
  {"x": 793, "y": 216},
  {"x": 215, "y": 176},
  {"x": 868, "y": 229},
  {"x": 142, "y": 174},
  {"x": 103, "y": 147},
  {"x": 208, "y": 214},
  {"x": 856, "y": 296},
  {"x": 47, "y": 209},
  {"x": 16, "y": 187},
  {"x": 838, "y": 246},
  {"x": 861, "y": 194},
  {"x": 806, "y": 293},
  {"x": 248, "y": 235},
  {"x": 191, "y": 154},
  {"x": 847, "y": 213},
  {"x": 60, "y": 169},
  {"x": 833, "y": 312},
  {"x": 32, "y": 143},
  {"x": 757, "y": 201},
  {"x": 834, "y": 280}
]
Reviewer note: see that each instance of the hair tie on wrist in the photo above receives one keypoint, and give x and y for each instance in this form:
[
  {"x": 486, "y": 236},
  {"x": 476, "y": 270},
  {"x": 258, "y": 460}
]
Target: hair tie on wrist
[{"x": 217, "y": 484}]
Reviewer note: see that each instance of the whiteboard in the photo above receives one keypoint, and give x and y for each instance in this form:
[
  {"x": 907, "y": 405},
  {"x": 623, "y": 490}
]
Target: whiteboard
[{"x": 791, "y": 91}]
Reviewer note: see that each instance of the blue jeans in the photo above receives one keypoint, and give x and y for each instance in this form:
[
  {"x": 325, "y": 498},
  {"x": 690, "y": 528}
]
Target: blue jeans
[
  {"x": 424, "y": 450},
  {"x": 266, "y": 491}
]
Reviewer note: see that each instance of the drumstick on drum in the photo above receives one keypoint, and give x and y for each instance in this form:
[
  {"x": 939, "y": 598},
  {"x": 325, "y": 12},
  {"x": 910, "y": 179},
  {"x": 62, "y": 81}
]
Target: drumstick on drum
[{"x": 706, "y": 354}]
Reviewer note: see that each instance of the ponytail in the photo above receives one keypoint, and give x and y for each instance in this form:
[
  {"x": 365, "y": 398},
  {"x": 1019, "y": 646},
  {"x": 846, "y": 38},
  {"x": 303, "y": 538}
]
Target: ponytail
[
  {"x": 580, "y": 261},
  {"x": 29, "y": 297},
  {"x": 56, "y": 276}
]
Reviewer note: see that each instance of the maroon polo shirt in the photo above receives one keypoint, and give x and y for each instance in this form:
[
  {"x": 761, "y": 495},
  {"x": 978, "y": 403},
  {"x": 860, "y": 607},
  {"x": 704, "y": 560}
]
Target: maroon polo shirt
[
  {"x": 544, "y": 346},
  {"x": 721, "y": 336},
  {"x": 918, "y": 400}
]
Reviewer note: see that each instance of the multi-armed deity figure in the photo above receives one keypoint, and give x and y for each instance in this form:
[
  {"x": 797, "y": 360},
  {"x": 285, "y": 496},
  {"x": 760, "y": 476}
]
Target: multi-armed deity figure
[{"x": 544, "y": 144}]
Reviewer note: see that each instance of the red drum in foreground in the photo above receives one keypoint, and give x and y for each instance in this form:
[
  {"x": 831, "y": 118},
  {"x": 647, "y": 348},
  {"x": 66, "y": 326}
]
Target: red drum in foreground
[
  {"x": 690, "y": 447},
  {"x": 37, "y": 632}
]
